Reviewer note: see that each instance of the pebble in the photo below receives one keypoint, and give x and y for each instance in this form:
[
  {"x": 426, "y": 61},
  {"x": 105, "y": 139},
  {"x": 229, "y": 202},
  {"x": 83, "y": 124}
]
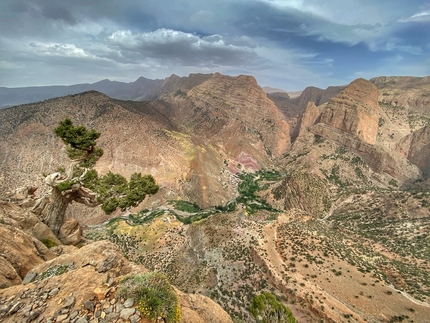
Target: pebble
[
  {"x": 127, "y": 312},
  {"x": 83, "y": 319},
  {"x": 54, "y": 291},
  {"x": 89, "y": 305},
  {"x": 129, "y": 302},
  {"x": 31, "y": 303},
  {"x": 69, "y": 301}
]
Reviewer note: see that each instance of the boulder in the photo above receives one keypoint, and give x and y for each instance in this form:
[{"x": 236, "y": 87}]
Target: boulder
[
  {"x": 70, "y": 232},
  {"x": 19, "y": 250},
  {"x": 41, "y": 231},
  {"x": 197, "y": 308}
]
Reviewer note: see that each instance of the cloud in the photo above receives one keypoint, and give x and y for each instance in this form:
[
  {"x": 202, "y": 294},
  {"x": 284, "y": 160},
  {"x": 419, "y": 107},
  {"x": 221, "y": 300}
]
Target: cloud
[
  {"x": 423, "y": 16},
  {"x": 61, "y": 50},
  {"x": 182, "y": 48},
  {"x": 394, "y": 59},
  {"x": 302, "y": 42}
]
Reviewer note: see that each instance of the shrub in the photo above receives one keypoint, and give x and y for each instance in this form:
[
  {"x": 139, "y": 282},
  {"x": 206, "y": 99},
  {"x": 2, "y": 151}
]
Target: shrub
[
  {"x": 266, "y": 308},
  {"x": 318, "y": 140},
  {"x": 394, "y": 183},
  {"x": 49, "y": 243},
  {"x": 154, "y": 295}
]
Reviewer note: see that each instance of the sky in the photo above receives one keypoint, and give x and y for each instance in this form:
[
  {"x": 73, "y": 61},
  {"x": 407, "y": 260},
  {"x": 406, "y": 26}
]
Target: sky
[{"x": 287, "y": 44}]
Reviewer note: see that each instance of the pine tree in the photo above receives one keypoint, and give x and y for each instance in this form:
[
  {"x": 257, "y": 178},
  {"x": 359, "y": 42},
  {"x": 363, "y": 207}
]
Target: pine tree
[{"x": 81, "y": 183}]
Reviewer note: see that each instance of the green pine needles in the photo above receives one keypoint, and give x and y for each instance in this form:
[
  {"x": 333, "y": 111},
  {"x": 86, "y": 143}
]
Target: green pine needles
[{"x": 113, "y": 190}]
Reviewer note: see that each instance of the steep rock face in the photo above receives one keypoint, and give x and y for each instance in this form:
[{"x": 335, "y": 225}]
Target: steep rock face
[
  {"x": 379, "y": 158},
  {"x": 236, "y": 112},
  {"x": 355, "y": 111},
  {"x": 317, "y": 95},
  {"x": 176, "y": 84},
  {"x": 289, "y": 109},
  {"x": 416, "y": 148},
  {"x": 404, "y": 91},
  {"x": 310, "y": 116},
  {"x": 294, "y": 108}
]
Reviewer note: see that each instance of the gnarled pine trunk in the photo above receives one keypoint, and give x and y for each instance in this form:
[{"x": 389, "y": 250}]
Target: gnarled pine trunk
[
  {"x": 55, "y": 211},
  {"x": 51, "y": 208}
]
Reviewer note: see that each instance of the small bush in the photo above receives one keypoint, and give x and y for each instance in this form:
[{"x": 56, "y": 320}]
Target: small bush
[
  {"x": 265, "y": 308},
  {"x": 318, "y": 140},
  {"x": 393, "y": 183},
  {"x": 49, "y": 243},
  {"x": 154, "y": 295}
]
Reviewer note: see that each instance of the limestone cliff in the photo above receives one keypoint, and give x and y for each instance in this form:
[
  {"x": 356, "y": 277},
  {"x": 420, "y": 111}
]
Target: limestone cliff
[
  {"x": 404, "y": 91},
  {"x": 355, "y": 111},
  {"x": 310, "y": 116},
  {"x": 233, "y": 112},
  {"x": 416, "y": 148},
  {"x": 317, "y": 95}
]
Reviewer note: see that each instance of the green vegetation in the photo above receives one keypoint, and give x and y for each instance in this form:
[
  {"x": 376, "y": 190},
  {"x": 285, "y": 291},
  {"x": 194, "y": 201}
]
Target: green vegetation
[
  {"x": 112, "y": 190},
  {"x": 180, "y": 94},
  {"x": 54, "y": 271},
  {"x": 266, "y": 308},
  {"x": 393, "y": 183},
  {"x": 186, "y": 206},
  {"x": 318, "y": 139},
  {"x": 253, "y": 183},
  {"x": 49, "y": 243},
  {"x": 153, "y": 294}
]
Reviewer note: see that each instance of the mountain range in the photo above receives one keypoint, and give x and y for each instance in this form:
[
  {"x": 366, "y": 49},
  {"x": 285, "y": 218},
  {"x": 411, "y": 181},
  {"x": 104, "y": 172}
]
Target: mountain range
[{"x": 322, "y": 199}]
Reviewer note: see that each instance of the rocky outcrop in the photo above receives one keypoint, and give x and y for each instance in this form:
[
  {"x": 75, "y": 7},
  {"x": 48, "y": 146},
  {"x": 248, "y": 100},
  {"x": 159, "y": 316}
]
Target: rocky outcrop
[
  {"x": 416, "y": 148},
  {"x": 379, "y": 159},
  {"x": 310, "y": 116},
  {"x": 197, "y": 308},
  {"x": 26, "y": 242},
  {"x": 237, "y": 111},
  {"x": 19, "y": 254},
  {"x": 70, "y": 232},
  {"x": 405, "y": 91},
  {"x": 81, "y": 286},
  {"x": 317, "y": 95},
  {"x": 355, "y": 111}
]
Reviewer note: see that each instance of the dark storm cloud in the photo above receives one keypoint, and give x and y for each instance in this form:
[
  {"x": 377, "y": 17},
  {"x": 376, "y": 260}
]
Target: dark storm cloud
[{"x": 57, "y": 12}]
